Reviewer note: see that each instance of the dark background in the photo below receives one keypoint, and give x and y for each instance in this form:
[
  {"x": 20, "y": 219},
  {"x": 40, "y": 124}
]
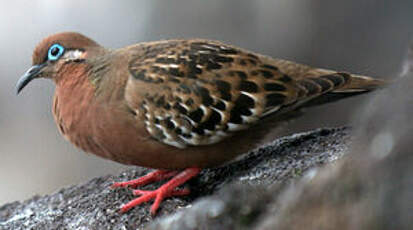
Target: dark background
[{"x": 366, "y": 37}]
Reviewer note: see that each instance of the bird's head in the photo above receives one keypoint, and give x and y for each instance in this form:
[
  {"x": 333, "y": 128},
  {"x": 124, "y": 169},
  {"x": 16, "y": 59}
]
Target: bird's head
[{"x": 54, "y": 52}]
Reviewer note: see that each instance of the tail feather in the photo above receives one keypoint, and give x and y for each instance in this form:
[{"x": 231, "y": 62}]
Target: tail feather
[
  {"x": 359, "y": 83},
  {"x": 350, "y": 85},
  {"x": 316, "y": 86}
]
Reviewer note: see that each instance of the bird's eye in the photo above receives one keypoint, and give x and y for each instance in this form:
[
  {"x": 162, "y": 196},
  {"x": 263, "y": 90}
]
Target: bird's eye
[{"x": 55, "y": 52}]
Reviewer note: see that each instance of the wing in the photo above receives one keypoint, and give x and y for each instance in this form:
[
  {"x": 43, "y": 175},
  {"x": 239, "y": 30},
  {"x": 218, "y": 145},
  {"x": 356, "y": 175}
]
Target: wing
[{"x": 197, "y": 92}]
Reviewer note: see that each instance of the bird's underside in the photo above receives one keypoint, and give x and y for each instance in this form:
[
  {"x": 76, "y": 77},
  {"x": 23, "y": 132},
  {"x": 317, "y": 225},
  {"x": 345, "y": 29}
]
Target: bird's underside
[{"x": 198, "y": 92}]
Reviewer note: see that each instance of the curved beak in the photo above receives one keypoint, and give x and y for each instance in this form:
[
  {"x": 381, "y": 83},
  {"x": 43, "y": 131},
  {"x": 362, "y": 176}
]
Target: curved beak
[{"x": 30, "y": 74}]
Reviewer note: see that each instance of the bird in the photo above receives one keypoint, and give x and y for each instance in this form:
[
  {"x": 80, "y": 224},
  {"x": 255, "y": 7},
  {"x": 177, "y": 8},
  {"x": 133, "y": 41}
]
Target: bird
[{"x": 177, "y": 106}]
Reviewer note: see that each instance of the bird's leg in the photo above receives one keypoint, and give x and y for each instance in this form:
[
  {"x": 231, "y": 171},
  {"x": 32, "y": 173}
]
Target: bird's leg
[
  {"x": 151, "y": 177},
  {"x": 166, "y": 190},
  {"x": 176, "y": 192}
]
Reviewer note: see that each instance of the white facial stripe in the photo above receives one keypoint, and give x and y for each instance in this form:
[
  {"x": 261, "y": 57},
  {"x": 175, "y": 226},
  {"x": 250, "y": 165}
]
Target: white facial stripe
[{"x": 73, "y": 54}]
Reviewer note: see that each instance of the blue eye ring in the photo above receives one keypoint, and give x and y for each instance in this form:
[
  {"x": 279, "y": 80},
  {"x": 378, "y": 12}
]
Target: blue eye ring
[{"x": 55, "y": 52}]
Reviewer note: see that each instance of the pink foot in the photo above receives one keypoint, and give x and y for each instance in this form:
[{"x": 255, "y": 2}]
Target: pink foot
[
  {"x": 166, "y": 190},
  {"x": 151, "y": 177}
]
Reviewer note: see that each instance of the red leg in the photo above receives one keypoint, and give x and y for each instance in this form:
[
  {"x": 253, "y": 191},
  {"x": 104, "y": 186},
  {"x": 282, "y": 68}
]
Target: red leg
[
  {"x": 166, "y": 190},
  {"x": 154, "y": 176},
  {"x": 176, "y": 192}
]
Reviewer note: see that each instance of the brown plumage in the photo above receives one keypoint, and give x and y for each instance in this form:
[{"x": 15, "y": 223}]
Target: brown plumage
[{"x": 175, "y": 104}]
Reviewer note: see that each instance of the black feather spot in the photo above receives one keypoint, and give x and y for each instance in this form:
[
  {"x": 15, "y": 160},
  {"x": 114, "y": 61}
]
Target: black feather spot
[
  {"x": 163, "y": 60},
  {"x": 285, "y": 78},
  {"x": 196, "y": 115},
  {"x": 223, "y": 86},
  {"x": 235, "y": 117},
  {"x": 223, "y": 59},
  {"x": 186, "y": 135},
  {"x": 193, "y": 69},
  {"x": 180, "y": 108},
  {"x": 269, "y": 67},
  {"x": 245, "y": 101},
  {"x": 248, "y": 86},
  {"x": 228, "y": 51},
  {"x": 241, "y": 75},
  {"x": 206, "y": 98},
  {"x": 220, "y": 105},
  {"x": 199, "y": 131},
  {"x": 274, "y": 87},
  {"x": 169, "y": 124},
  {"x": 140, "y": 75},
  {"x": 274, "y": 99},
  {"x": 241, "y": 111},
  {"x": 227, "y": 96},
  {"x": 213, "y": 65},
  {"x": 266, "y": 73},
  {"x": 213, "y": 120}
]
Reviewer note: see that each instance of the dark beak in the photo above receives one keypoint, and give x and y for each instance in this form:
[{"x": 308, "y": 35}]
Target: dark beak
[{"x": 31, "y": 74}]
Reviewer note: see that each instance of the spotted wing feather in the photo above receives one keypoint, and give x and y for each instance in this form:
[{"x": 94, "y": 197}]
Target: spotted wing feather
[{"x": 197, "y": 92}]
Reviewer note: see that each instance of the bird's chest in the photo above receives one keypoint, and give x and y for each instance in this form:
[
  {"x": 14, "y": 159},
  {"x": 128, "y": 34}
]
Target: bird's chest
[
  {"x": 101, "y": 127},
  {"x": 72, "y": 109}
]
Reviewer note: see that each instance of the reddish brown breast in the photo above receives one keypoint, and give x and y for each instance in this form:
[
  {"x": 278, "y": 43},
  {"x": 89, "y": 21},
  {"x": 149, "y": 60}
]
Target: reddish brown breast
[{"x": 74, "y": 106}]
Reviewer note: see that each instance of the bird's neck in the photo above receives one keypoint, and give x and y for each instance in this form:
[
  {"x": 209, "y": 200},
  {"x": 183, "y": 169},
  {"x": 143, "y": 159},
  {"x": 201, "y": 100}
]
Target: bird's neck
[{"x": 108, "y": 76}]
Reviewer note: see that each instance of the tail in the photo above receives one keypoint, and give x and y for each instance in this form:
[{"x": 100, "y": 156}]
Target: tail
[
  {"x": 345, "y": 85},
  {"x": 359, "y": 83}
]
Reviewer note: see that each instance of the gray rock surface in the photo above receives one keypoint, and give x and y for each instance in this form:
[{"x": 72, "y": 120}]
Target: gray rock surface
[{"x": 234, "y": 196}]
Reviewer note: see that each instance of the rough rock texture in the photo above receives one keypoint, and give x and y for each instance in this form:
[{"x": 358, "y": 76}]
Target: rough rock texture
[{"x": 241, "y": 192}]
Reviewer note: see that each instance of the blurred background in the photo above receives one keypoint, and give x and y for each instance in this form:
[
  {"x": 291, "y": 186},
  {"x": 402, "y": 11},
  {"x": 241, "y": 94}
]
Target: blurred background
[{"x": 365, "y": 37}]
